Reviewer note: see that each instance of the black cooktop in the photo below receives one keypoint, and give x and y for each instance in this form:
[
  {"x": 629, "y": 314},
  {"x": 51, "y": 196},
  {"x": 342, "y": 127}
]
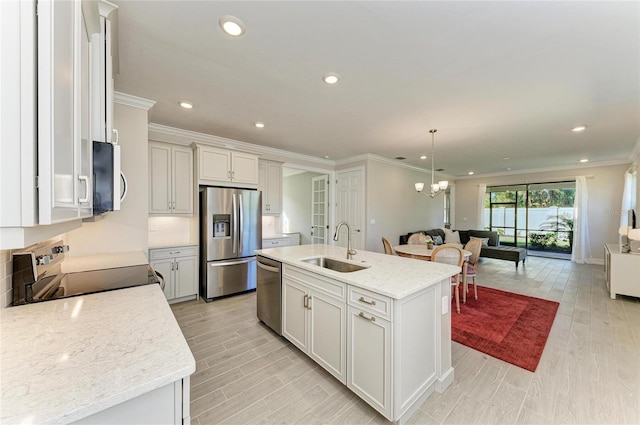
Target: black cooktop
[{"x": 89, "y": 282}]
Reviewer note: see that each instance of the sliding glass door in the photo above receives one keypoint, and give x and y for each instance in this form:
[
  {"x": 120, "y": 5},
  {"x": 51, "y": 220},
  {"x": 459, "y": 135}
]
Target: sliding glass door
[{"x": 538, "y": 217}]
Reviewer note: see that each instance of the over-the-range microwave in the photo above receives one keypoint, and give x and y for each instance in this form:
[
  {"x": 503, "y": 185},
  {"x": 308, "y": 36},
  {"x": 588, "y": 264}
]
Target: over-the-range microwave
[{"x": 109, "y": 183}]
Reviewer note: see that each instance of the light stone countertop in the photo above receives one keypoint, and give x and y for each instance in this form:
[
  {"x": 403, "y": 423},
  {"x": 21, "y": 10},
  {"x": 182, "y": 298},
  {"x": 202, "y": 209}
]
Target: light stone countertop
[
  {"x": 389, "y": 275},
  {"x": 66, "y": 359}
]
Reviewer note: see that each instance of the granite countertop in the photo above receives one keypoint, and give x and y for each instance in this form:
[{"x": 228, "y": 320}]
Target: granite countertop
[
  {"x": 390, "y": 275},
  {"x": 70, "y": 358}
]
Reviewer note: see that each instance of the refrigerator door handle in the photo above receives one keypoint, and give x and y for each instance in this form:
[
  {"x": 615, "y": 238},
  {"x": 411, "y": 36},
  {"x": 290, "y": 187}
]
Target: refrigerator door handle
[
  {"x": 240, "y": 232},
  {"x": 231, "y": 263},
  {"x": 235, "y": 225}
]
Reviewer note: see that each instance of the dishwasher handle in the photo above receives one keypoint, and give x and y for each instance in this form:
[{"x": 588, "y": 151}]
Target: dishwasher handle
[{"x": 267, "y": 268}]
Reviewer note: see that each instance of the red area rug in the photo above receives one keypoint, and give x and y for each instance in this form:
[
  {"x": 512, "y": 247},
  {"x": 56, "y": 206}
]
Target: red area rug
[{"x": 504, "y": 325}]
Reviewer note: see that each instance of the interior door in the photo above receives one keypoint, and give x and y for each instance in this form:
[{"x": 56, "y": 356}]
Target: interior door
[
  {"x": 319, "y": 209},
  {"x": 350, "y": 205}
]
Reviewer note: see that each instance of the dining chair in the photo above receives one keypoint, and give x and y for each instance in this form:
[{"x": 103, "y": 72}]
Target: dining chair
[
  {"x": 450, "y": 254},
  {"x": 418, "y": 239},
  {"x": 474, "y": 245},
  {"x": 388, "y": 249}
]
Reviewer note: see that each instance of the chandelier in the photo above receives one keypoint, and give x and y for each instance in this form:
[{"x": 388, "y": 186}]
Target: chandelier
[{"x": 442, "y": 185}]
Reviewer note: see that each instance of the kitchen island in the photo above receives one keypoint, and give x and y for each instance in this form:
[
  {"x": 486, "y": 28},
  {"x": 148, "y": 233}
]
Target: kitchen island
[
  {"x": 112, "y": 357},
  {"x": 383, "y": 330}
]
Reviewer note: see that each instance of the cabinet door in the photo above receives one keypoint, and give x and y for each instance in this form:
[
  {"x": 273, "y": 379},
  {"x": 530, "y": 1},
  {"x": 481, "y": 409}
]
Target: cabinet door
[
  {"x": 244, "y": 168},
  {"x": 369, "y": 359},
  {"x": 85, "y": 187},
  {"x": 182, "y": 180},
  {"x": 159, "y": 179},
  {"x": 214, "y": 164},
  {"x": 294, "y": 311},
  {"x": 186, "y": 276},
  {"x": 327, "y": 342},
  {"x": 262, "y": 186},
  {"x": 165, "y": 267},
  {"x": 274, "y": 187},
  {"x": 58, "y": 84}
]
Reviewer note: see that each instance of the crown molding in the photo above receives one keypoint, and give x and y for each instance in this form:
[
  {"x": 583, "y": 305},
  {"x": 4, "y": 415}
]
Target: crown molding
[
  {"x": 156, "y": 131},
  {"x": 544, "y": 170},
  {"x": 133, "y": 101},
  {"x": 382, "y": 159}
]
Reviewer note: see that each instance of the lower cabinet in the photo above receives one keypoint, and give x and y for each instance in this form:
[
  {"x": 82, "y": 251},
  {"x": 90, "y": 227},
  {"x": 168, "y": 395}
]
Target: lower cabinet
[
  {"x": 179, "y": 267},
  {"x": 166, "y": 405},
  {"x": 369, "y": 359},
  {"x": 397, "y": 351},
  {"x": 314, "y": 318}
]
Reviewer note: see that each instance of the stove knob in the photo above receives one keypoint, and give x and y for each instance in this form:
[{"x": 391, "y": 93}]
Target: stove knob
[
  {"x": 60, "y": 249},
  {"x": 43, "y": 259}
]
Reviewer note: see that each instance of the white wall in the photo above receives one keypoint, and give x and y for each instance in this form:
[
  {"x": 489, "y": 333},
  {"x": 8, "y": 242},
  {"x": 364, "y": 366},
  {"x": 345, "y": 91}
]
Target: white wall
[
  {"x": 124, "y": 230},
  {"x": 394, "y": 204},
  {"x": 296, "y": 204},
  {"x": 605, "y": 198}
]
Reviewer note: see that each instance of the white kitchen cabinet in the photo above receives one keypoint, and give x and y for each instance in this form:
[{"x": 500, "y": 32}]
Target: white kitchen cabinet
[
  {"x": 223, "y": 167},
  {"x": 47, "y": 96},
  {"x": 314, "y": 318},
  {"x": 275, "y": 242},
  {"x": 622, "y": 272},
  {"x": 170, "y": 179},
  {"x": 102, "y": 65},
  {"x": 179, "y": 267},
  {"x": 270, "y": 183},
  {"x": 369, "y": 358},
  {"x": 63, "y": 92},
  {"x": 165, "y": 405}
]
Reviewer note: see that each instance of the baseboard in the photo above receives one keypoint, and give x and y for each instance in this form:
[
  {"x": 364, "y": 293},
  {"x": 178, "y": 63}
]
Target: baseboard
[{"x": 447, "y": 379}]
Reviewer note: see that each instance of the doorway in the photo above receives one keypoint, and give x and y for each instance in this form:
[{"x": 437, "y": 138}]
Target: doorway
[
  {"x": 538, "y": 217},
  {"x": 306, "y": 198}
]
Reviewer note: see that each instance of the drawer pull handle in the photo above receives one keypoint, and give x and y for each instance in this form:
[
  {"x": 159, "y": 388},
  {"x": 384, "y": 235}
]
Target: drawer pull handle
[
  {"x": 174, "y": 252},
  {"x": 362, "y": 300},
  {"x": 305, "y": 303},
  {"x": 371, "y": 319}
]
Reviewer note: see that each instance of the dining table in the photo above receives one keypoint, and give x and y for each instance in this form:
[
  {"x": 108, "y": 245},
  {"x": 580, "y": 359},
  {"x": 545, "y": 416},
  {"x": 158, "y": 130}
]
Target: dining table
[{"x": 423, "y": 252}]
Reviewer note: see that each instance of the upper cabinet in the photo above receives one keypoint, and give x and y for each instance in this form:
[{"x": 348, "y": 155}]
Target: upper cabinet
[
  {"x": 223, "y": 167},
  {"x": 48, "y": 100},
  {"x": 270, "y": 183},
  {"x": 170, "y": 179}
]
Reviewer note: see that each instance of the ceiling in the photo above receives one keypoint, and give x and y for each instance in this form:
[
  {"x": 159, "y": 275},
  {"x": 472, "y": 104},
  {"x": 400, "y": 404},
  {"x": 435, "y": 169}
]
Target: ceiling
[{"x": 503, "y": 82}]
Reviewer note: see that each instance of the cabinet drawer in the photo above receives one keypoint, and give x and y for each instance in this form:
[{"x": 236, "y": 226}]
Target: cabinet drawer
[
  {"x": 323, "y": 284},
  {"x": 275, "y": 242},
  {"x": 173, "y": 252},
  {"x": 377, "y": 304}
]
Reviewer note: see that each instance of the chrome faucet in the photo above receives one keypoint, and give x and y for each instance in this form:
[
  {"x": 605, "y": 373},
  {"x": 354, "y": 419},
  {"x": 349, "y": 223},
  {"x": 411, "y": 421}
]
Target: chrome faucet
[{"x": 350, "y": 252}]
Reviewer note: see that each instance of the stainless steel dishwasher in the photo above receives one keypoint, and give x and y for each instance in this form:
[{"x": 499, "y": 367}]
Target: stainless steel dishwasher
[{"x": 269, "y": 293}]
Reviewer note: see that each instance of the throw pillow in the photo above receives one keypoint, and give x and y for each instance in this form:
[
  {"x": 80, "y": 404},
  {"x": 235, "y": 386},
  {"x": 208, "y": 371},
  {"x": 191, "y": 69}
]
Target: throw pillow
[
  {"x": 451, "y": 236},
  {"x": 438, "y": 240},
  {"x": 485, "y": 241}
]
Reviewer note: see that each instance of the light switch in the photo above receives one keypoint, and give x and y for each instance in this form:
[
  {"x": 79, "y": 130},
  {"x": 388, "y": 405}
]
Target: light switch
[{"x": 445, "y": 305}]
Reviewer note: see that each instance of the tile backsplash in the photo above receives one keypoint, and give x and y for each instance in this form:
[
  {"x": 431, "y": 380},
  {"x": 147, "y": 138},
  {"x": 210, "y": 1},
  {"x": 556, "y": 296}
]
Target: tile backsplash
[{"x": 6, "y": 294}]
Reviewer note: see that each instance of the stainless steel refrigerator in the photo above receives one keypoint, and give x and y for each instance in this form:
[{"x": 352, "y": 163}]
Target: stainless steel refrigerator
[{"x": 230, "y": 232}]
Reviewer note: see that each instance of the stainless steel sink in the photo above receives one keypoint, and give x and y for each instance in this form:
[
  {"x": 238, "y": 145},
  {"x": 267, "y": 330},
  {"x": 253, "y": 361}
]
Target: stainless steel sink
[{"x": 335, "y": 265}]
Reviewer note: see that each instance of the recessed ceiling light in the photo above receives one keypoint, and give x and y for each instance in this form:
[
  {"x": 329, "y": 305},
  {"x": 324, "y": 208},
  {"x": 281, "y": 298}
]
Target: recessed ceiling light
[
  {"x": 506, "y": 158},
  {"x": 579, "y": 128},
  {"x": 331, "y": 78},
  {"x": 186, "y": 105},
  {"x": 231, "y": 25},
  {"x": 259, "y": 124},
  {"x": 471, "y": 173},
  {"x": 423, "y": 157},
  {"x": 584, "y": 160},
  {"x": 326, "y": 157},
  {"x": 509, "y": 169}
]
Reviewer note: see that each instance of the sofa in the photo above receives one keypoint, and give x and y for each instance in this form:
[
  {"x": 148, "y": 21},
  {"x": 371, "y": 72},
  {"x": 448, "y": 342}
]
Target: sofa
[{"x": 492, "y": 249}]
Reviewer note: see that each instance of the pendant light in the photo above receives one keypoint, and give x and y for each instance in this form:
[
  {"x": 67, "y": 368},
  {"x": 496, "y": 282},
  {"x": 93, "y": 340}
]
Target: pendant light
[{"x": 442, "y": 185}]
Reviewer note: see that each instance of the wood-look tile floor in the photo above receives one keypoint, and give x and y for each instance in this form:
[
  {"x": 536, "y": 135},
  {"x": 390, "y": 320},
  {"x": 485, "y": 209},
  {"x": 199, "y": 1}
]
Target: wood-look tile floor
[{"x": 589, "y": 372}]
